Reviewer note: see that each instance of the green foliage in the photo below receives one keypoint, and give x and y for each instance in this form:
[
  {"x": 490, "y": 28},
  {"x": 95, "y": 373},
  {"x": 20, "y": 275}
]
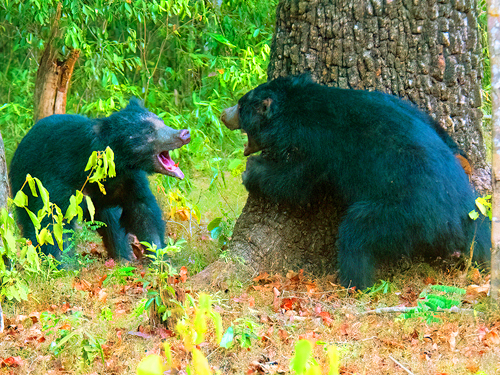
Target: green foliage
[
  {"x": 192, "y": 331},
  {"x": 483, "y": 34},
  {"x": 186, "y": 59},
  {"x": 303, "y": 363},
  {"x": 101, "y": 165},
  {"x": 67, "y": 337},
  {"x": 484, "y": 206},
  {"x": 436, "y": 299},
  {"x": 119, "y": 275},
  {"x": 151, "y": 365},
  {"x": 221, "y": 228},
  {"x": 82, "y": 236},
  {"x": 159, "y": 277},
  {"x": 244, "y": 331},
  {"x": 12, "y": 281},
  {"x": 13, "y": 284},
  {"x": 382, "y": 287}
]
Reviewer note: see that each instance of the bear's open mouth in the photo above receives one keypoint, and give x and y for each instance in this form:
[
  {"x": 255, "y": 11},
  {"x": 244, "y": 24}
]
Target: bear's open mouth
[
  {"x": 251, "y": 147},
  {"x": 168, "y": 164}
]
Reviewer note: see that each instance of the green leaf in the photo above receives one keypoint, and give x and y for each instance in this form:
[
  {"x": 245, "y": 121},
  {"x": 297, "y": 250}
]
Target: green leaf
[
  {"x": 98, "y": 175},
  {"x": 31, "y": 183},
  {"x": 222, "y": 39},
  {"x": 92, "y": 161},
  {"x": 227, "y": 338},
  {"x": 44, "y": 194},
  {"x": 217, "y": 319},
  {"x": 44, "y": 237},
  {"x": 473, "y": 214},
  {"x": 21, "y": 199},
  {"x": 214, "y": 223},
  {"x": 90, "y": 207},
  {"x": 235, "y": 163},
  {"x": 58, "y": 233},
  {"x": 34, "y": 219},
  {"x": 78, "y": 197},
  {"x": 32, "y": 257},
  {"x": 314, "y": 369},
  {"x": 216, "y": 233},
  {"x": 299, "y": 361},
  {"x": 481, "y": 207},
  {"x": 333, "y": 359},
  {"x": 197, "y": 212},
  {"x": 114, "y": 80},
  {"x": 151, "y": 365},
  {"x": 9, "y": 241},
  {"x": 72, "y": 210},
  {"x": 110, "y": 157},
  {"x": 205, "y": 302}
]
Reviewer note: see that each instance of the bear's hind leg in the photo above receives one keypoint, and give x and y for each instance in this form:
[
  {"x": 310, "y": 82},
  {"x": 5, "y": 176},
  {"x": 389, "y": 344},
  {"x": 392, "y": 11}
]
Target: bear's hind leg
[
  {"x": 369, "y": 233},
  {"x": 143, "y": 219},
  {"x": 114, "y": 235}
]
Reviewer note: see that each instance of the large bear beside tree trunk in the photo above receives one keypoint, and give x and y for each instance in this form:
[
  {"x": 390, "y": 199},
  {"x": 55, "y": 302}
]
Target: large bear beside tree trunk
[{"x": 401, "y": 188}]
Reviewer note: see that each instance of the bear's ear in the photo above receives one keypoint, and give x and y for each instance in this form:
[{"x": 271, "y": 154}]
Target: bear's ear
[
  {"x": 135, "y": 103},
  {"x": 266, "y": 107}
]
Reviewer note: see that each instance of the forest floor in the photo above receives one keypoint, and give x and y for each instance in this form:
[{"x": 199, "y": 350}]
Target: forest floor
[
  {"x": 81, "y": 324},
  {"x": 94, "y": 321}
]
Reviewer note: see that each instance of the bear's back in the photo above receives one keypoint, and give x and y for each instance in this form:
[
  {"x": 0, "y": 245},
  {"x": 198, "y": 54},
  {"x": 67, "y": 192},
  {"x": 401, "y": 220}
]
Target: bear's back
[{"x": 53, "y": 149}]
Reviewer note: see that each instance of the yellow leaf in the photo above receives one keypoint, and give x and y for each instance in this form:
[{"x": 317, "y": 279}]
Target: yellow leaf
[
  {"x": 200, "y": 363},
  {"x": 313, "y": 370},
  {"x": 151, "y": 365},
  {"x": 333, "y": 358}
]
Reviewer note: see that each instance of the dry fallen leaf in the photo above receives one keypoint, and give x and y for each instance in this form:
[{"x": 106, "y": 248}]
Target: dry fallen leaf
[{"x": 11, "y": 362}]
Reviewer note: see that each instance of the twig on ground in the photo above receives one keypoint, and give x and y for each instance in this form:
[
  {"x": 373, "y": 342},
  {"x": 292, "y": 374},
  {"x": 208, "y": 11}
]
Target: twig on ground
[
  {"x": 405, "y": 309},
  {"x": 400, "y": 365}
]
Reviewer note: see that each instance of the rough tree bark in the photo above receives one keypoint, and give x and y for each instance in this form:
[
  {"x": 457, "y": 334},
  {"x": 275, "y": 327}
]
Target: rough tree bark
[
  {"x": 53, "y": 76},
  {"x": 426, "y": 51},
  {"x": 494, "y": 37}
]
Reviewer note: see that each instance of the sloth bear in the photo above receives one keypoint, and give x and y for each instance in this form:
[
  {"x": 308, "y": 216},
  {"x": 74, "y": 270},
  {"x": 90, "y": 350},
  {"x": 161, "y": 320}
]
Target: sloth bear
[
  {"x": 404, "y": 190},
  {"x": 56, "y": 151}
]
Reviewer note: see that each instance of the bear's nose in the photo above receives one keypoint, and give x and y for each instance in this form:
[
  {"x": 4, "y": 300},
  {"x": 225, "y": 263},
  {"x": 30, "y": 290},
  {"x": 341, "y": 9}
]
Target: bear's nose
[{"x": 185, "y": 136}]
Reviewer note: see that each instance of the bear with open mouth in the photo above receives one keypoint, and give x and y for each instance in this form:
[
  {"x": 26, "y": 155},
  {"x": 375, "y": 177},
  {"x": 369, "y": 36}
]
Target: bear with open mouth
[
  {"x": 56, "y": 151},
  {"x": 397, "y": 174}
]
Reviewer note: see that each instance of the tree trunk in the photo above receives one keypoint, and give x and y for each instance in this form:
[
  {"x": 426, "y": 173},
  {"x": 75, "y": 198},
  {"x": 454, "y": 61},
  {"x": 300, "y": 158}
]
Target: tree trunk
[
  {"x": 424, "y": 51},
  {"x": 4, "y": 180},
  {"x": 4, "y": 194},
  {"x": 493, "y": 37},
  {"x": 53, "y": 77}
]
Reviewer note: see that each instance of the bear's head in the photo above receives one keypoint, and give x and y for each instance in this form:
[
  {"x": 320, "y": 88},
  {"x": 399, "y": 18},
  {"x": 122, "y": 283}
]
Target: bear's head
[
  {"x": 141, "y": 140},
  {"x": 264, "y": 114}
]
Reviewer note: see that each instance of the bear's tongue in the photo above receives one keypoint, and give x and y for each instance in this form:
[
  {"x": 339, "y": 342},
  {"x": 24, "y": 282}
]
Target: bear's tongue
[{"x": 169, "y": 165}]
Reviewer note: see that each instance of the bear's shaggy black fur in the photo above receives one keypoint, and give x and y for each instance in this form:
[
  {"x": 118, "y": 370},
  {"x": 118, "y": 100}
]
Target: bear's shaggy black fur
[
  {"x": 405, "y": 191},
  {"x": 56, "y": 151}
]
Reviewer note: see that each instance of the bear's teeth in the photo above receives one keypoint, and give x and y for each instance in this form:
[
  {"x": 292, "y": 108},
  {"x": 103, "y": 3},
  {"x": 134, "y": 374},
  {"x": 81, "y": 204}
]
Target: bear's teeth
[{"x": 169, "y": 165}]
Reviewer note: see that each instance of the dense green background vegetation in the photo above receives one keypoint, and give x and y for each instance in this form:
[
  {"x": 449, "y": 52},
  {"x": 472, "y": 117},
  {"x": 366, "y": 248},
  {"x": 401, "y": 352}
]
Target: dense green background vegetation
[{"x": 188, "y": 60}]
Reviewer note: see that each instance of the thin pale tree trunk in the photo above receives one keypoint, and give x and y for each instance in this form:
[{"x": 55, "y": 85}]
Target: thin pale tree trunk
[
  {"x": 4, "y": 194},
  {"x": 4, "y": 180},
  {"x": 53, "y": 76},
  {"x": 494, "y": 46}
]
